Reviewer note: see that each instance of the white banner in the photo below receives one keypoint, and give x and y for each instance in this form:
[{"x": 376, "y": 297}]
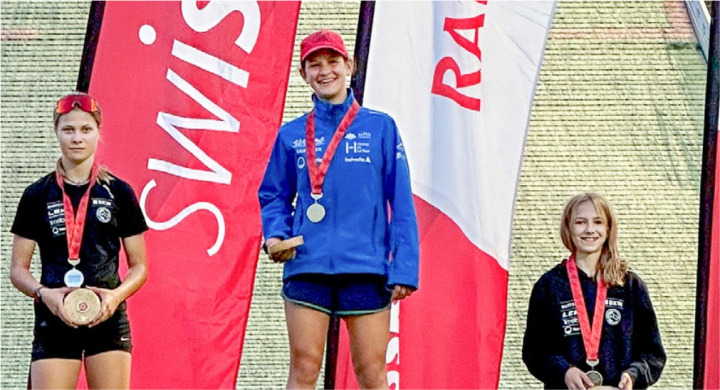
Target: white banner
[{"x": 459, "y": 78}]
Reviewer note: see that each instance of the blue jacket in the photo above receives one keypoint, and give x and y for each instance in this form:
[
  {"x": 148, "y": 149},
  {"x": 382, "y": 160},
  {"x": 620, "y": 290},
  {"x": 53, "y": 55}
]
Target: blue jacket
[{"x": 368, "y": 177}]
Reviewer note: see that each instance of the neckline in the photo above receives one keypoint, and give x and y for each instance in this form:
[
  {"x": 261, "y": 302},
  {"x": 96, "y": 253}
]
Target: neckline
[{"x": 326, "y": 109}]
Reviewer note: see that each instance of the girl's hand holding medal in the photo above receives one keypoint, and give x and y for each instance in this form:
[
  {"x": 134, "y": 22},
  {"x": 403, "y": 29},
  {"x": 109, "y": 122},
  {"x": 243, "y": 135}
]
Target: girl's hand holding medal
[
  {"x": 281, "y": 251},
  {"x": 108, "y": 304},
  {"x": 54, "y": 299}
]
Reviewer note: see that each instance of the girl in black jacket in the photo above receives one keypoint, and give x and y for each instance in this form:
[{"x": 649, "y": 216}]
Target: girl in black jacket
[{"x": 565, "y": 345}]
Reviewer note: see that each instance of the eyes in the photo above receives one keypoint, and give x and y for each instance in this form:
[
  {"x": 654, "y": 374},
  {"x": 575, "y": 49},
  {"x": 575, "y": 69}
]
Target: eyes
[
  {"x": 582, "y": 222},
  {"x": 333, "y": 61},
  {"x": 84, "y": 129}
]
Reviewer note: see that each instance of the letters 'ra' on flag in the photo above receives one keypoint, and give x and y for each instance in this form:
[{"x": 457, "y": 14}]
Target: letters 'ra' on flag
[
  {"x": 192, "y": 96},
  {"x": 459, "y": 79}
]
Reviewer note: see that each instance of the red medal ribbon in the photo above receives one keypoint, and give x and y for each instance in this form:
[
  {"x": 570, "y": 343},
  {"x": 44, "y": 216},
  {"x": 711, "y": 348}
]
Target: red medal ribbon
[
  {"x": 591, "y": 337},
  {"x": 75, "y": 224},
  {"x": 317, "y": 173}
]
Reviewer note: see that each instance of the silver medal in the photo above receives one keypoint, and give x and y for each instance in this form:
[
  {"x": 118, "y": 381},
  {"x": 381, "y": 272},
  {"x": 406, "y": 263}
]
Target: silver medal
[
  {"x": 74, "y": 278},
  {"x": 316, "y": 211}
]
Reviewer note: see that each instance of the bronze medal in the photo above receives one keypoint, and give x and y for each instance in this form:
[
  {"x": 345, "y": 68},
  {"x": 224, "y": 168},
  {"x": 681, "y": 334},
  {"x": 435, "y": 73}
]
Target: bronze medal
[{"x": 595, "y": 377}]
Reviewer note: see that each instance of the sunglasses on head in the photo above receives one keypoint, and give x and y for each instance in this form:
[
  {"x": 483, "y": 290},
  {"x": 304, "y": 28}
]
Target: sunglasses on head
[{"x": 85, "y": 102}]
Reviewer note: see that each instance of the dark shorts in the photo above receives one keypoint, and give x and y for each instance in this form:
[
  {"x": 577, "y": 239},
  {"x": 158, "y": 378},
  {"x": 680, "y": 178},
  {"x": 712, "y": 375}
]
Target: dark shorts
[
  {"x": 343, "y": 295},
  {"x": 54, "y": 339}
]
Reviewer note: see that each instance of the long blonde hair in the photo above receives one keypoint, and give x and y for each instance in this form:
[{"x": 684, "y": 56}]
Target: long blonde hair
[{"x": 611, "y": 265}]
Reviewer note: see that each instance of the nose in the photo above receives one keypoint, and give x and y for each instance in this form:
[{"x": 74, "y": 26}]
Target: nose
[
  {"x": 590, "y": 228},
  {"x": 324, "y": 68},
  {"x": 76, "y": 137}
]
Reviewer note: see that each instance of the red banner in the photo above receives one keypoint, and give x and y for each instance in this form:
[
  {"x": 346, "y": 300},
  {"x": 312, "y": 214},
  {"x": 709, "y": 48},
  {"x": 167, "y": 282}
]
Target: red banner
[
  {"x": 192, "y": 96},
  {"x": 449, "y": 334}
]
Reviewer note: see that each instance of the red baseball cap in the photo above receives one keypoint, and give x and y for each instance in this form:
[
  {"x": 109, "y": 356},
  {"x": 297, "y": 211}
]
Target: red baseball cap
[{"x": 323, "y": 39}]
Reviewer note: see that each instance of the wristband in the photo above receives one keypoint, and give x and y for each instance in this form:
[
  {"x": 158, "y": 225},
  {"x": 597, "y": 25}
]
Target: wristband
[{"x": 36, "y": 293}]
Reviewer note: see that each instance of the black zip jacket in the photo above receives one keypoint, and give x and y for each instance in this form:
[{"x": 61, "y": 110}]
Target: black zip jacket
[{"x": 630, "y": 340}]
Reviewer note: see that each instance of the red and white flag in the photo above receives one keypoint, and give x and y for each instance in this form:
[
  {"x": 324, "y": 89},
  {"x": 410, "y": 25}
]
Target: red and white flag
[
  {"x": 192, "y": 96},
  {"x": 459, "y": 79}
]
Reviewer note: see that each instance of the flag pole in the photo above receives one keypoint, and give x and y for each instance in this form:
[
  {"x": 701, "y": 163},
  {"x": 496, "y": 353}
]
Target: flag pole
[
  {"x": 92, "y": 34},
  {"x": 362, "y": 48},
  {"x": 707, "y": 191},
  {"x": 357, "y": 84}
]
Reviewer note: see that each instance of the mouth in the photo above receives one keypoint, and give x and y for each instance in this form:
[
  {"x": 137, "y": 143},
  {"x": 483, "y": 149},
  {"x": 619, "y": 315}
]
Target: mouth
[
  {"x": 589, "y": 240},
  {"x": 326, "y": 81}
]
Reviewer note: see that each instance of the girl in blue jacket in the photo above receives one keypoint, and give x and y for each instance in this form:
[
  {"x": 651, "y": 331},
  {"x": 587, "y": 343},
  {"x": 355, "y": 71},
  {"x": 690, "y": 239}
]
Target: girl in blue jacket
[{"x": 333, "y": 178}]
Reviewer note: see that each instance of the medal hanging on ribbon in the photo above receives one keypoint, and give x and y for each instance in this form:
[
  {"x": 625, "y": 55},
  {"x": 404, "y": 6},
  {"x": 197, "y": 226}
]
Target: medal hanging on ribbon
[
  {"x": 74, "y": 225},
  {"x": 590, "y": 336},
  {"x": 316, "y": 212}
]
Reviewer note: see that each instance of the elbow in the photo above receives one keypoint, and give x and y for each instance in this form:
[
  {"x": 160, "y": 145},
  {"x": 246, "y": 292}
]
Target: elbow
[
  {"x": 139, "y": 275},
  {"x": 15, "y": 276},
  {"x": 143, "y": 275}
]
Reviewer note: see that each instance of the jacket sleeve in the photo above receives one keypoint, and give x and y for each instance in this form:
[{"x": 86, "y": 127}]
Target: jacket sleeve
[
  {"x": 404, "y": 246},
  {"x": 277, "y": 192},
  {"x": 542, "y": 350},
  {"x": 648, "y": 354}
]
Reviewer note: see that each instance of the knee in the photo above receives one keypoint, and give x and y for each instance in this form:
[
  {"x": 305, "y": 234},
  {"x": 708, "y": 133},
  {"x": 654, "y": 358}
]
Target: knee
[
  {"x": 305, "y": 367},
  {"x": 371, "y": 374}
]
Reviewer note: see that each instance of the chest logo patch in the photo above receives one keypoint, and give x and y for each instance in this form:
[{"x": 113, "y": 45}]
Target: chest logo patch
[
  {"x": 56, "y": 218},
  {"x": 613, "y": 316},
  {"x": 103, "y": 214}
]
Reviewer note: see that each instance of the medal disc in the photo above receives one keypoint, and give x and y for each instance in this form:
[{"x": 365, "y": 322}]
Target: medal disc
[
  {"x": 315, "y": 213},
  {"x": 74, "y": 278},
  {"x": 595, "y": 377},
  {"x": 82, "y": 306}
]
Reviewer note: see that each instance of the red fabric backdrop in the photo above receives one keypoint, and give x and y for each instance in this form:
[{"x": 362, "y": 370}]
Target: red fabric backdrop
[{"x": 192, "y": 99}]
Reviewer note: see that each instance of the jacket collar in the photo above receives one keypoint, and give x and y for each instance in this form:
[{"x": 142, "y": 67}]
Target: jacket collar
[{"x": 332, "y": 112}]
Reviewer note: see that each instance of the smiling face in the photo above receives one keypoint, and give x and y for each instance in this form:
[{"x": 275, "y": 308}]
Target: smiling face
[
  {"x": 326, "y": 71},
  {"x": 78, "y": 134},
  {"x": 588, "y": 229}
]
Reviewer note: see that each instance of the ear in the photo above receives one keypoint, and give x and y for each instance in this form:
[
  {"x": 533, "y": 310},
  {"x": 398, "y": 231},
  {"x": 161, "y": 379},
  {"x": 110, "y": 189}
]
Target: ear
[
  {"x": 350, "y": 66},
  {"x": 302, "y": 74}
]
